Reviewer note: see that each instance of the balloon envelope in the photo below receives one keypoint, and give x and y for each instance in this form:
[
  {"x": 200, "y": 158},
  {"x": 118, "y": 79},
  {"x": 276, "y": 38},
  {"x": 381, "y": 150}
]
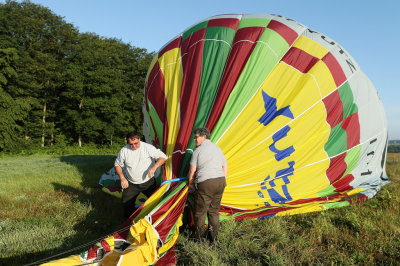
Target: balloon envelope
[{"x": 301, "y": 125}]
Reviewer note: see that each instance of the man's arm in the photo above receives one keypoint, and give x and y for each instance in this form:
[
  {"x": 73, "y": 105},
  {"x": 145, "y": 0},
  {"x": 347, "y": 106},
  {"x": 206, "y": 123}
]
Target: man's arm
[
  {"x": 124, "y": 182},
  {"x": 153, "y": 169},
  {"x": 192, "y": 170}
]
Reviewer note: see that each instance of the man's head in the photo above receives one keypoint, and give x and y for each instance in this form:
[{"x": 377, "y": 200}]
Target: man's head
[
  {"x": 133, "y": 139},
  {"x": 200, "y": 135}
]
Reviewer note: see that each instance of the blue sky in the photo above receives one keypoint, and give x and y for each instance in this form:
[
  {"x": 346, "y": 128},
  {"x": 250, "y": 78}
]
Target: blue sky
[{"x": 368, "y": 30}]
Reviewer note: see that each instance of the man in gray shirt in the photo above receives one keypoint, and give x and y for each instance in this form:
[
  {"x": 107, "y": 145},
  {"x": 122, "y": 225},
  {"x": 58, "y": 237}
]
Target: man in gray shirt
[
  {"x": 138, "y": 159},
  {"x": 211, "y": 168}
]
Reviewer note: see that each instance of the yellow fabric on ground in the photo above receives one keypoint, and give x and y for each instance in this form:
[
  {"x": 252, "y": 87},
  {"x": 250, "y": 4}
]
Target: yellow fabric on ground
[
  {"x": 172, "y": 241},
  {"x": 142, "y": 251}
]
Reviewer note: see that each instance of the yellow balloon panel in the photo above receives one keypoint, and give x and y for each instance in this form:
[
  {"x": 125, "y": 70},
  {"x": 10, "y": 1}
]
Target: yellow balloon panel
[
  {"x": 291, "y": 87},
  {"x": 320, "y": 72},
  {"x": 298, "y": 90},
  {"x": 256, "y": 134},
  {"x": 251, "y": 168},
  {"x": 306, "y": 133},
  {"x": 171, "y": 67},
  {"x": 304, "y": 183},
  {"x": 170, "y": 64},
  {"x": 311, "y": 47},
  {"x": 152, "y": 64},
  {"x": 323, "y": 76},
  {"x": 312, "y": 207}
]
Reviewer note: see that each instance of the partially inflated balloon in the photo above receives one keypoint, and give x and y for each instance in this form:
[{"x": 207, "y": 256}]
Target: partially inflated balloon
[{"x": 302, "y": 127}]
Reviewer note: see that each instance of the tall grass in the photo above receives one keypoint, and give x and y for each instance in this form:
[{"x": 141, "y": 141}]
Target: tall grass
[{"x": 50, "y": 204}]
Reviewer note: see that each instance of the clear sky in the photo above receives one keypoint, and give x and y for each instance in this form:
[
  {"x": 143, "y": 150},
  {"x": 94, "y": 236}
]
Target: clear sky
[{"x": 368, "y": 30}]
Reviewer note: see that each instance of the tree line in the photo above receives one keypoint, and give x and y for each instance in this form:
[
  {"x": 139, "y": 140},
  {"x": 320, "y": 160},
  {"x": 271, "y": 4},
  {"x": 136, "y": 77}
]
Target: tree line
[
  {"x": 394, "y": 148},
  {"x": 60, "y": 86}
]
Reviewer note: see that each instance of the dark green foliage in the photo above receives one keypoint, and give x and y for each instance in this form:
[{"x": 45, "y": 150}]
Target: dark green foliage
[
  {"x": 12, "y": 111},
  {"x": 394, "y": 148},
  {"x": 102, "y": 98},
  {"x": 59, "y": 86}
]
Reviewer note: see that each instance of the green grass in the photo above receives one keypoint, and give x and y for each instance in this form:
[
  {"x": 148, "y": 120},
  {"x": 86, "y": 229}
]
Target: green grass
[
  {"x": 365, "y": 233},
  {"x": 51, "y": 204},
  {"x": 86, "y": 149}
]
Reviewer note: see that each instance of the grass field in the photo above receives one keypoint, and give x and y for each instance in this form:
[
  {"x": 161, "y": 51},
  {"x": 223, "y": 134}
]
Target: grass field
[{"x": 51, "y": 204}]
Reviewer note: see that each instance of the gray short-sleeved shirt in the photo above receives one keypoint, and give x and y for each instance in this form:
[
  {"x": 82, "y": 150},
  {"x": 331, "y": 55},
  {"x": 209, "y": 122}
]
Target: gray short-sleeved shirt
[
  {"x": 208, "y": 159},
  {"x": 138, "y": 162}
]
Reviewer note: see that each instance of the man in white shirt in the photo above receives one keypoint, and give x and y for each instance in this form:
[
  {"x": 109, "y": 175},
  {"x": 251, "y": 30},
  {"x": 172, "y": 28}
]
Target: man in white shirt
[{"x": 138, "y": 158}]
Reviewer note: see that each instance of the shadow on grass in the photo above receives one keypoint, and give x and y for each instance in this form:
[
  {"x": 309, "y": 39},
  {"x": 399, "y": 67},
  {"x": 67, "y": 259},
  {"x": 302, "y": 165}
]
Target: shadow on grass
[{"x": 105, "y": 214}]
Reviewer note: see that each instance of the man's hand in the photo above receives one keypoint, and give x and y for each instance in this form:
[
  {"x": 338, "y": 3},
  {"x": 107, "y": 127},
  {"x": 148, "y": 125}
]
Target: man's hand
[
  {"x": 192, "y": 170},
  {"x": 191, "y": 187},
  {"x": 124, "y": 183},
  {"x": 151, "y": 172}
]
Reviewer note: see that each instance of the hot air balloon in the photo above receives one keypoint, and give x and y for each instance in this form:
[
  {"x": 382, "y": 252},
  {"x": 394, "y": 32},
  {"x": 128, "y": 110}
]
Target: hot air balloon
[{"x": 302, "y": 127}]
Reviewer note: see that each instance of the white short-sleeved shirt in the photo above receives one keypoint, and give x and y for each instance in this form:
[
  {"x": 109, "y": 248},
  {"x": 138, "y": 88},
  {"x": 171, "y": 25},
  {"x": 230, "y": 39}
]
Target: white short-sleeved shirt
[
  {"x": 138, "y": 162},
  {"x": 208, "y": 159}
]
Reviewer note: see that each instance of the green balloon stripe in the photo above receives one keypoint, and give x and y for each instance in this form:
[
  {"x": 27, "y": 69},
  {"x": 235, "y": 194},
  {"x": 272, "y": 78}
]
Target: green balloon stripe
[
  {"x": 346, "y": 96},
  {"x": 158, "y": 125},
  {"x": 193, "y": 29},
  {"x": 253, "y": 22},
  {"x": 352, "y": 158},
  {"x": 337, "y": 142},
  {"x": 262, "y": 61},
  {"x": 218, "y": 42}
]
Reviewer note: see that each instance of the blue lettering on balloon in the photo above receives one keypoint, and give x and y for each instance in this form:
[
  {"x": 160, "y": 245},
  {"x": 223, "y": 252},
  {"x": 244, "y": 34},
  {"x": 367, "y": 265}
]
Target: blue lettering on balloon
[
  {"x": 270, "y": 186},
  {"x": 271, "y": 110},
  {"x": 281, "y": 154},
  {"x": 284, "y": 173}
]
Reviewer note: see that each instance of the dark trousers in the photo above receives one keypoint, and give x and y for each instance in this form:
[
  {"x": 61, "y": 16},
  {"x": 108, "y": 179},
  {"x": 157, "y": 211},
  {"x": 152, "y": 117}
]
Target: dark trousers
[
  {"x": 130, "y": 194},
  {"x": 207, "y": 201}
]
